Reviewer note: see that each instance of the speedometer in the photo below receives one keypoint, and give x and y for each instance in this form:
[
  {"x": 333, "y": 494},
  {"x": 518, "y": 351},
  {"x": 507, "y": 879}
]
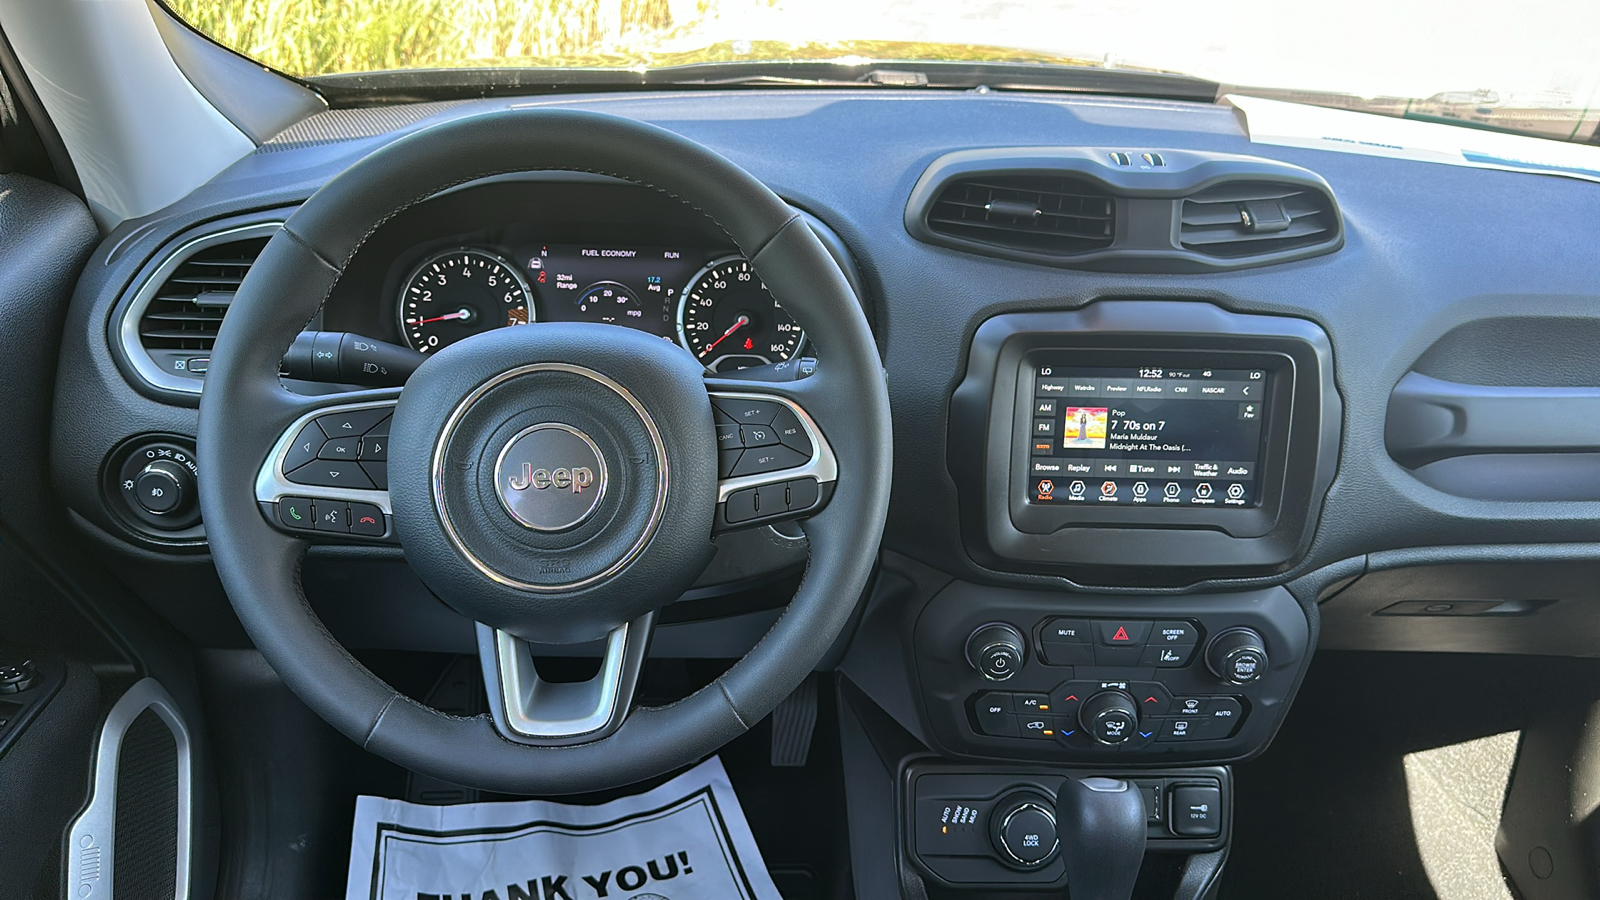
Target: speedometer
[
  {"x": 460, "y": 293},
  {"x": 728, "y": 321}
]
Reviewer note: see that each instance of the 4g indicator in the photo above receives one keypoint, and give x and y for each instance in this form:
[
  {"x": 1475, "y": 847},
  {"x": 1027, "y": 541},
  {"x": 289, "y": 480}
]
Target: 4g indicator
[{"x": 729, "y": 321}]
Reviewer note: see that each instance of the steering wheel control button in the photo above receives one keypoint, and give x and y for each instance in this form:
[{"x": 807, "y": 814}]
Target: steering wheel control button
[
  {"x": 803, "y": 494},
  {"x": 550, "y": 477},
  {"x": 366, "y": 520},
  {"x": 761, "y": 460},
  {"x": 378, "y": 472},
  {"x": 1237, "y": 656},
  {"x": 297, "y": 513},
  {"x": 741, "y": 506},
  {"x": 747, "y": 412},
  {"x": 996, "y": 650},
  {"x": 1196, "y": 810},
  {"x": 790, "y": 432},
  {"x": 757, "y": 436},
  {"x": 305, "y": 447},
  {"x": 352, "y": 423},
  {"x": 340, "y": 448},
  {"x": 331, "y": 473},
  {"x": 332, "y": 516},
  {"x": 374, "y": 448},
  {"x": 728, "y": 438}
]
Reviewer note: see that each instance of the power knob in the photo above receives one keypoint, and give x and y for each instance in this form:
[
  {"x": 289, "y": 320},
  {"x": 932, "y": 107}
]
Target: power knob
[
  {"x": 997, "y": 650},
  {"x": 1237, "y": 656}
]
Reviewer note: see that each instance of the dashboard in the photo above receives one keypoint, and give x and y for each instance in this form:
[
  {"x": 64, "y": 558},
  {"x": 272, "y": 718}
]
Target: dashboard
[{"x": 1119, "y": 469}]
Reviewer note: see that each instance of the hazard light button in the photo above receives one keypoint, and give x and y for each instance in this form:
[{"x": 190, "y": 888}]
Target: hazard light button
[{"x": 1122, "y": 632}]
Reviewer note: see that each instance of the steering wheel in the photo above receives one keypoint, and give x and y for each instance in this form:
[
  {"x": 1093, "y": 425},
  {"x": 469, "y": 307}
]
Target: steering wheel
[{"x": 555, "y": 484}]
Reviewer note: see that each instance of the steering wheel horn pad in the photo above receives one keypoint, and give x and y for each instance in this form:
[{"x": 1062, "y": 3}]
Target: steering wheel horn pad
[{"x": 644, "y": 535}]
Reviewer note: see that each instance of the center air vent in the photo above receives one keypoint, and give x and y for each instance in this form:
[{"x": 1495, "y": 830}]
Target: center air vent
[
  {"x": 1039, "y": 213},
  {"x": 168, "y": 329},
  {"x": 1255, "y": 218}
]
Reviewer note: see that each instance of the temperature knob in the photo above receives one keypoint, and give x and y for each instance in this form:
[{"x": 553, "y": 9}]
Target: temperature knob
[{"x": 996, "y": 650}]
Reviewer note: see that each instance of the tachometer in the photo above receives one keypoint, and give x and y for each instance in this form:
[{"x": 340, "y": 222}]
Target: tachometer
[
  {"x": 728, "y": 321},
  {"x": 460, "y": 293}
]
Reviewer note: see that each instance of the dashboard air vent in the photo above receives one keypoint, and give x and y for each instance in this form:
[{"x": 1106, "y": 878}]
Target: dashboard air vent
[
  {"x": 187, "y": 309},
  {"x": 1253, "y": 218},
  {"x": 1047, "y": 214}
]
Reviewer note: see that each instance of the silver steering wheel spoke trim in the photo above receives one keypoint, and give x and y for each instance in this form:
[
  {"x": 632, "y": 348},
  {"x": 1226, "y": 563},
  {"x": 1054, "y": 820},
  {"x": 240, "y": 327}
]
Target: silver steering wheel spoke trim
[{"x": 530, "y": 710}]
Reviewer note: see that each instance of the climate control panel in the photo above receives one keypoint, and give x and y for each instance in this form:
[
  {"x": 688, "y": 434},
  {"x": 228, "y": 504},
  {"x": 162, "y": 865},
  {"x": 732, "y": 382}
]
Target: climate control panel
[{"x": 1067, "y": 677}]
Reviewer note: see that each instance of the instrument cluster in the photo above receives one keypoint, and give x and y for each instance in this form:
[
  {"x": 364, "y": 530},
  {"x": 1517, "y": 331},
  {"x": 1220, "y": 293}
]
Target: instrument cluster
[{"x": 715, "y": 306}]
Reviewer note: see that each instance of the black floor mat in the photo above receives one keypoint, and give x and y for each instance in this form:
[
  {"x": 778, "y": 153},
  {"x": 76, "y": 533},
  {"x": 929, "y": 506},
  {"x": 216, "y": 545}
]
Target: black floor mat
[{"x": 1324, "y": 813}]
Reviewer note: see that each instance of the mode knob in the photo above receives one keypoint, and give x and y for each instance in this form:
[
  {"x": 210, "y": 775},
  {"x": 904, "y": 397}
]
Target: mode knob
[
  {"x": 997, "y": 650},
  {"x": 1237, "y": 656},
  {"x": 1110, "y": 716},
  {"x": 1024, "y": 830},
  {"x": 163, "y": 487}
]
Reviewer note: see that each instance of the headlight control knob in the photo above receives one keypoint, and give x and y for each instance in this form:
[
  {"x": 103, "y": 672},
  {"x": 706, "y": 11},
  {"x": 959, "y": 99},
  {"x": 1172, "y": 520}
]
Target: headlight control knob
[
  {"x": 1237, "y": 656},
  {"x": 997, "y": 650}
]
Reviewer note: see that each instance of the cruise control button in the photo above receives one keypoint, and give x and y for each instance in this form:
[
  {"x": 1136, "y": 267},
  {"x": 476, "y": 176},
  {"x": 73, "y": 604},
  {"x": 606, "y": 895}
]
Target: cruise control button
[
  {"x": 296, "y": 512},
  {"x": 332, "y": 474},
  {"x": 803, "y": 494},
  {"x": 757, "y": 435},
  {"x": 305, "y": 447},
  {"x": 366, "y": 519},
  {"x": 340, "y": 448},
  {"x": 727, "y": 459},
  {"x": 375, "y": 447},
  {"x": 768, "y": 459},
  {"x": 352, "y": 424},
  {"x": 790, "y": 432},
  {"x": 727, "y": 436},
  {"x": 747, "y": 412},
  {"x": 1122, "y": 632},
  {"x": 332, "y": 516}
]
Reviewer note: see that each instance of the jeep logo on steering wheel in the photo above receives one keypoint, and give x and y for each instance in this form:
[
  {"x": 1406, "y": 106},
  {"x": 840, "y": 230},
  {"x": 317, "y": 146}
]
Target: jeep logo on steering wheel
[
  {"x": 546, "y": 497},
  {"x": 574, "y": 480}
]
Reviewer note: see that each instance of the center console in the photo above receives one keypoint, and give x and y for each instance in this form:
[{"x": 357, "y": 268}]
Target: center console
[{"x": 1130, "y": 444}]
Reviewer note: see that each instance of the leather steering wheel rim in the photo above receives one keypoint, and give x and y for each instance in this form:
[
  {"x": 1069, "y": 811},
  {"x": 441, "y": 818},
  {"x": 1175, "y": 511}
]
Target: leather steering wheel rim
[{"x": 245, "y": 408}]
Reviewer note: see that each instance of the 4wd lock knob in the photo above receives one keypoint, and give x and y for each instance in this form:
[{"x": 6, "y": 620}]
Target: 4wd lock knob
[
  {"x": 1237, "y": 656},
  {"x": 996, "y": 650}
]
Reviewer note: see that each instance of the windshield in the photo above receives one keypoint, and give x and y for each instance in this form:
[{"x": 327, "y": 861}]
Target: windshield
[{"x": 1533, "y": 72}]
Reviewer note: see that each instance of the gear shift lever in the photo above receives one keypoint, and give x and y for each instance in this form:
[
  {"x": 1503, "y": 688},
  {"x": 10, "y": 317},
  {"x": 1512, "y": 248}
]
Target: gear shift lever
[{"x": 1101, "y": 824}]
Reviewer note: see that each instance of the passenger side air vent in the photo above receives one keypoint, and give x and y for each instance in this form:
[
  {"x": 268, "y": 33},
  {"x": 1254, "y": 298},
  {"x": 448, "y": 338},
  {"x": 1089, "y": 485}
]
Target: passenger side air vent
[
  {"x": 1251, "y": 218},
  {"x": 187, "y": 308},
  {"x": 1047, "y": 214}
]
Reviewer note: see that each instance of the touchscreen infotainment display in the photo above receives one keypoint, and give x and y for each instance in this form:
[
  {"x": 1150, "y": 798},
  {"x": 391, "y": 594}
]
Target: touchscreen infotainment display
[{"x": 1145, "y": 436}]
